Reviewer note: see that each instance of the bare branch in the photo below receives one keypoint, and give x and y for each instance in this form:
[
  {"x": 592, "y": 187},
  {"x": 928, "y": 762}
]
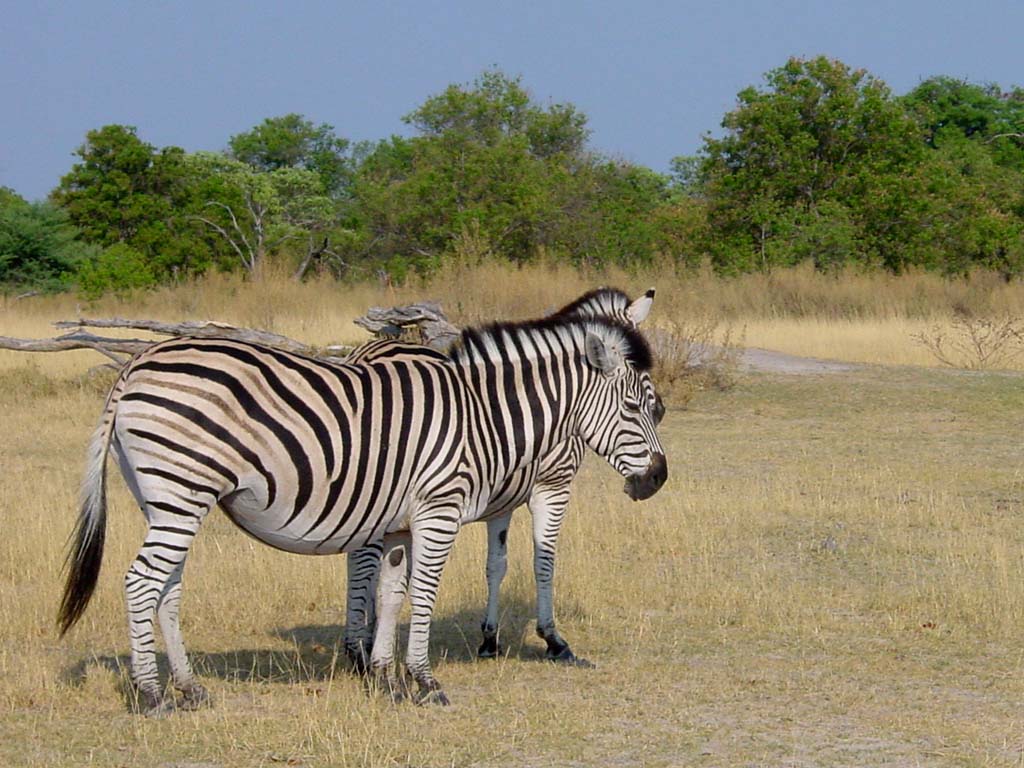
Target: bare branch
[
  {"x": 990, "y": 139},
  {"x": 435, "y": 331},
  {"x": 201, "y": 328},
  {"x": 77, "y": 340}
]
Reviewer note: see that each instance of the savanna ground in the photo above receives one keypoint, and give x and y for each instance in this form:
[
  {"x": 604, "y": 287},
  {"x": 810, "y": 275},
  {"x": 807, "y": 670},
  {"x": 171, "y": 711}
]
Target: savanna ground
[{"x": 834, "y": 575}]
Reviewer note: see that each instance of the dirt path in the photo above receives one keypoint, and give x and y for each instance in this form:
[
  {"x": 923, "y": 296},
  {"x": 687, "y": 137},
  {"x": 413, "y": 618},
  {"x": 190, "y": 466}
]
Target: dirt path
[{"x": 770, "y": 361}]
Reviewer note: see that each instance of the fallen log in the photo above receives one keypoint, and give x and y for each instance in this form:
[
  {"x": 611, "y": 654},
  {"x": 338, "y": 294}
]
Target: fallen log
[{"x": 428, "y": 317}]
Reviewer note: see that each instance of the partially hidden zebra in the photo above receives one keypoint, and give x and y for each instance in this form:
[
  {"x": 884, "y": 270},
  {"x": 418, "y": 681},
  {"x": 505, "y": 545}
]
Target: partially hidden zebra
[
  {"x": 544, "y": 486},
  {"x": 319, "y": 458}
]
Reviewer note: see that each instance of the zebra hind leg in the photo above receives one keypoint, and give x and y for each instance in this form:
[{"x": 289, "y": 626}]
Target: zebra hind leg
[
  {"x": 360, "y": 610},
  {"x": 391, "y": 591},
  {"x": 194, "y": 695},
  {"x": 497, "y": 566},
  {"x": 153, "y": 587}
]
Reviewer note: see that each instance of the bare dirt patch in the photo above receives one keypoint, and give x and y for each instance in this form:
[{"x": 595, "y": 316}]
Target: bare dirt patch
[{"x": 770, "y": 361}]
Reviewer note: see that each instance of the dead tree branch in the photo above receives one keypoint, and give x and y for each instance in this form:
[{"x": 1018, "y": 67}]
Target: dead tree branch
[
  {"x": 200, "y": 328},
  {"x": 434, "y": 328}
]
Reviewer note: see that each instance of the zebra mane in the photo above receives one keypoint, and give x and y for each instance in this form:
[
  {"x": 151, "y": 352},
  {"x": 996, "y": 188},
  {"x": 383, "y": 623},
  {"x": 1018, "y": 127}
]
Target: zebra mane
[
  {"x": 600, "y": 301},
  {"x": 500, "y": 340}
]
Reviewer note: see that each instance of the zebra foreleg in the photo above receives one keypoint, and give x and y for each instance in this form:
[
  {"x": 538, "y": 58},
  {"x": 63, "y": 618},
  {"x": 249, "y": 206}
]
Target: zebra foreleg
[
  {"x": 391, "y": 589},
  {"x": 548, "y": 505},
  {"x": 360, "y": 608},
  {"x": 497, "y": 566},
  {"x": 432, "y": 537}
]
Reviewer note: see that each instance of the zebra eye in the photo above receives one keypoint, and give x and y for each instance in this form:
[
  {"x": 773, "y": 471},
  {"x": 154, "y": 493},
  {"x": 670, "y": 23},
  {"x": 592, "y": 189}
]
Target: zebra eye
[{"x": 632, "y": 406}]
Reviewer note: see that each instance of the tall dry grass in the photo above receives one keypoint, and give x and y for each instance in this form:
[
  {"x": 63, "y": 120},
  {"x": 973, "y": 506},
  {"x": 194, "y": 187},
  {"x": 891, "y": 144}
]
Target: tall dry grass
[{"x": 850, "y": 316}]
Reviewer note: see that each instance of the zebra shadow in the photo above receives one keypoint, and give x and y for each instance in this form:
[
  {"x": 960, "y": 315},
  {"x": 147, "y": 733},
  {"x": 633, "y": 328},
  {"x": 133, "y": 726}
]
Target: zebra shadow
[
  {"x": 316, "y": 652},
  {"x": 304, "y": 663},
  {"x": 454, "y": 637}
]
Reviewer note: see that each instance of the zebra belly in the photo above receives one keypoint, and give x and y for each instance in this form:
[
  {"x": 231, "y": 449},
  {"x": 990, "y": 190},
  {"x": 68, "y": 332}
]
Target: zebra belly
[{"x": 245, "y": 509}]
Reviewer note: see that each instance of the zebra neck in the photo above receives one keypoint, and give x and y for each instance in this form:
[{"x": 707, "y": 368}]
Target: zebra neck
[{"x": 518, "y": 412}]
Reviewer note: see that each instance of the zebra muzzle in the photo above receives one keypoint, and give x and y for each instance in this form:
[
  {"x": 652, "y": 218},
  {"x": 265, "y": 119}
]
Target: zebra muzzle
[{"x": 643, "y": 486}]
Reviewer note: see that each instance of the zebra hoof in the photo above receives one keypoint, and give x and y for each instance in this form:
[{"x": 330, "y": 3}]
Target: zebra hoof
[
  {"x": 489, "y": 648},
  {"x": 431, "y": 696},
  {"x": 159, "y": 707},
  {"x": 566, "y": 657},
  {"x": 394, "y": 688},
  {"x": 196, "y": 697},
  {"x": 359, "y": 659}
]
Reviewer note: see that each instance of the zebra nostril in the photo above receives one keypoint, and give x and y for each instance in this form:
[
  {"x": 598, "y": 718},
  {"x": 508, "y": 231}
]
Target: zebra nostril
[{"x": 659, "y": 470}]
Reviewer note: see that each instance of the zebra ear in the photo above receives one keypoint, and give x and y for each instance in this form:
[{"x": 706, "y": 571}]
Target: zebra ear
[
  {"x": 637, "y": 311},
  {"x": 601, "y": 354}
]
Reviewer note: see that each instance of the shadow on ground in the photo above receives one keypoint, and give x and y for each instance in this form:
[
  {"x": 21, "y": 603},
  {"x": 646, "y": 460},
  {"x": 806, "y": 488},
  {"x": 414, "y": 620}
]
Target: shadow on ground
[{"x": 317, "y": 652}]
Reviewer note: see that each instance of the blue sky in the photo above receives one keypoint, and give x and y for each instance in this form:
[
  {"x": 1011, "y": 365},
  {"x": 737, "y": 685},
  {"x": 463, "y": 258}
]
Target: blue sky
[{"x": 652, "y": 77}]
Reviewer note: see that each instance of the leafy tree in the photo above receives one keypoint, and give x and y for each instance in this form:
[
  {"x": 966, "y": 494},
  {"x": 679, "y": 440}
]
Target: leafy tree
[
  {"x": 516, "y": 175},
  {"x": 126, "y": 191},
  {"x": 949, "y": 109},
  {"x": 109, "y": 194},
  {"x": 971, "y": 205},
  {"x": 255, "y": 213},
  {"x": 292, "y": 141},
  {"x": 119, "y": 268},
  {"x": 39, "y": 247},
  {"x": 818, "y": 143}
]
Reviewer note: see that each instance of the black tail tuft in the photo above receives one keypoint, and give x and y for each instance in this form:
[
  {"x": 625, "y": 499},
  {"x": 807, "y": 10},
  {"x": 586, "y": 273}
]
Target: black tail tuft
[{"x": 83, "y": 566}]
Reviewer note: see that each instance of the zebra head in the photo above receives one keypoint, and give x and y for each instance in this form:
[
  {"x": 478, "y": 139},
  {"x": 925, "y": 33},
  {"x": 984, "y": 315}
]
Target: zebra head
[
  {"x": 613, "y": 304},
  {"x": 610, "y": 303},
  {"x": 621, "y": 419}
]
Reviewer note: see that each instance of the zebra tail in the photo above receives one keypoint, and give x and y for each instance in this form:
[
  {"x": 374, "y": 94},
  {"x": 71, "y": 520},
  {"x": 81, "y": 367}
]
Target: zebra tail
[{"x": 85, "y": 545}]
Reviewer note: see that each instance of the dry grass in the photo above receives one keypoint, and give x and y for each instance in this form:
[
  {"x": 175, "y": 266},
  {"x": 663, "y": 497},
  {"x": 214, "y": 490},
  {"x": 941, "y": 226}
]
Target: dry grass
[
  {"x": 866, "y": 318},
  {"x": 834, "y": 576}
]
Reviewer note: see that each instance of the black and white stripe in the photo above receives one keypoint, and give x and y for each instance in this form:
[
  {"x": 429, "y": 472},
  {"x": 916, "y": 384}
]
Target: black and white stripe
[
  {"x": 319, "y": 458},
  {"x": 544, "y": 485}
]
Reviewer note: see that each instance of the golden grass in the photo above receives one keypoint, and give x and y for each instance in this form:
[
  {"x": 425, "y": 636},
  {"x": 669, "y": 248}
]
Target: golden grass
[
  {"x": 833, "y": 576},
  {"x": 853, "y": 317},
  {"x": 890, "y": 341}
]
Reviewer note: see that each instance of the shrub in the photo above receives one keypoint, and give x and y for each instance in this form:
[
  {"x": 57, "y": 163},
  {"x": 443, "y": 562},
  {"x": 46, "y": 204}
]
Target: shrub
[{"x": 119, "y": 269}]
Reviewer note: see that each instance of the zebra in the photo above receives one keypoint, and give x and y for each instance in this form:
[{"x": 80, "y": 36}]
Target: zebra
[
  {"x": 320, "y": 458},
  {"x": 544, "y": 486}
]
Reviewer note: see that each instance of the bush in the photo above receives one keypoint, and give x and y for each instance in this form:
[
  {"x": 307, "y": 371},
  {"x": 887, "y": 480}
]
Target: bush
[
  {"x": 693, "y": 356},
  {"x": 119, "y": 268}
]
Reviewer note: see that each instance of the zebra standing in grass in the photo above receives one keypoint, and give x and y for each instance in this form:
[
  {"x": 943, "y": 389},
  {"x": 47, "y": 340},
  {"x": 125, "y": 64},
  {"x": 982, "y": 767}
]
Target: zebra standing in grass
[
  {"x": 544, "y": 486},
  {"x": 319, "y": 458}
]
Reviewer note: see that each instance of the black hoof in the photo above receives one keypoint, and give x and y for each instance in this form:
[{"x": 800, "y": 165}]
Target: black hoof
[
  {"x": 160, "y": 711},
  {"x": 359, "y": 658},
  {"x": 388, "y": 685},
  {"x": 431, "y": 696},
  {"x": 196, "y": 697},
  {"x": 489, "y": 648},
  {"x": 568, "y": 658}
]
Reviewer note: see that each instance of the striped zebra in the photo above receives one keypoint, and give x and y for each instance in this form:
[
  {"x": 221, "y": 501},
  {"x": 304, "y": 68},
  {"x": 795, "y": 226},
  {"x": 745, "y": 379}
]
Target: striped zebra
[
  {"x": 544, "y": 486},
  {"x": 318, "y": 458}
]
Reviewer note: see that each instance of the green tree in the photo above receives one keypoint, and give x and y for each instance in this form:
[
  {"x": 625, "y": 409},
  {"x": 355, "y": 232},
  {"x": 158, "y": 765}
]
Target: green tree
[
  {"x": 949, "y": 109},
  {"x": 255, "y": 213},
  {"x": 516, "y": 175},
  {"x": 971, "y": 204},
  {"x": 39, "y": 247},
  {"x": 126, "y": 191},
  {"x": 109, "y": 194},
  {"x": 292, "y": 141},
  {"x": 119, "y": 268},
  {"x": 808, "y": 152}
]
